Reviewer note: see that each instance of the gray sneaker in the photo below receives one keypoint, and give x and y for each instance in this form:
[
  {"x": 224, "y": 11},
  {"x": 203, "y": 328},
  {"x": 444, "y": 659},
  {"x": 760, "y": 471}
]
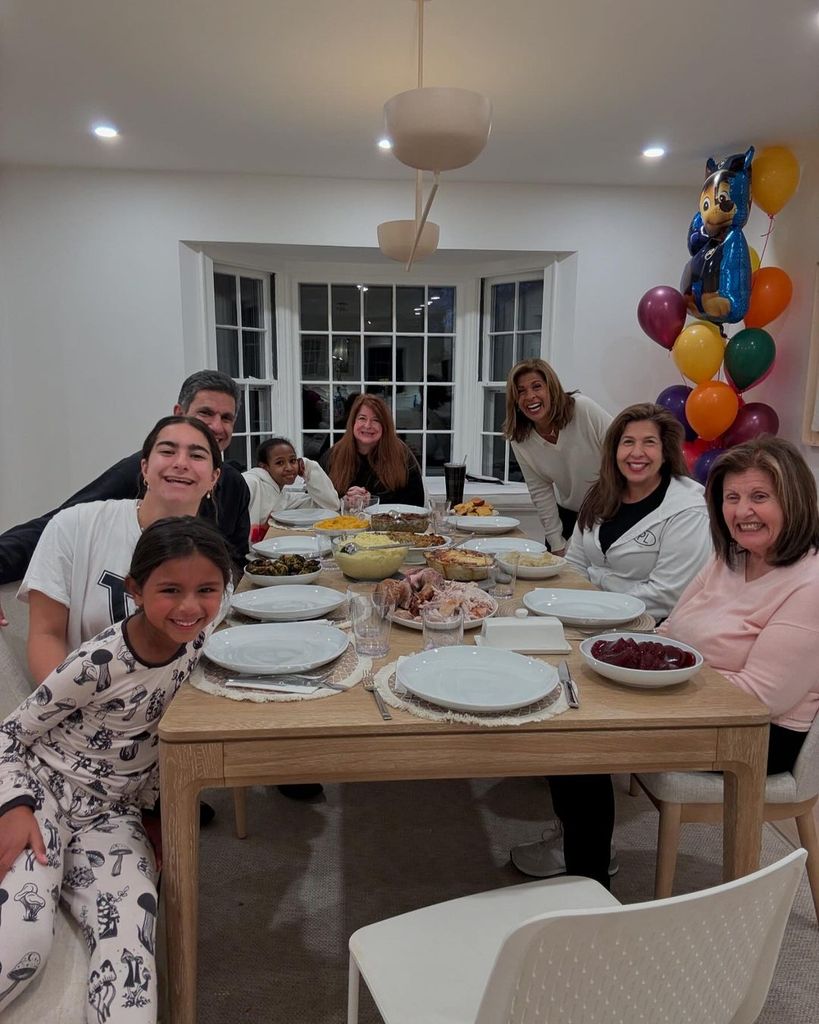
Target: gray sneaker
[{"x": 544, "y": 857}]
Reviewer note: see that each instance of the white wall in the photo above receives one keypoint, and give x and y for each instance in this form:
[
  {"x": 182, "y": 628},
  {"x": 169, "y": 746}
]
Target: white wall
[{"x": 91, "y": 349}]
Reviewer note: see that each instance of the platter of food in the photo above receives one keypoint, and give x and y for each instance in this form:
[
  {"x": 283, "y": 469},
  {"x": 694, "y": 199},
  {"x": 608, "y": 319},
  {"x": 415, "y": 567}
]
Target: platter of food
[
  {"x": 641, "y": 660},
  {"x": 409, "y": 595},
  {"x": 418, "y": 543},
  {"x": 477, "y": 679},
  {"x": 474, "y": 507},
  {"x": 459, "y": 564},
  {"x": 287, "y": 569},
  {"x": 406, "y": 518}
]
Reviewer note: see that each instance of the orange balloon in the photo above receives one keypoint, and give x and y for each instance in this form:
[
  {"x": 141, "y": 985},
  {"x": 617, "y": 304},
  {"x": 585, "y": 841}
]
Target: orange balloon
[
  {"x": 711, "y": 409},
  {"x": 771, "y": 291},
  {"x": 774, "y": 177}
]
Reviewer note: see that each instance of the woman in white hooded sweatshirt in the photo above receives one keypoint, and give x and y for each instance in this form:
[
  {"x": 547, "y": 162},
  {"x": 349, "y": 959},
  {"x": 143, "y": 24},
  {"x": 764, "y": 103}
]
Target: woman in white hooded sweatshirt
[
  {"x": 643, "y": 527},
  {"x": 278, "y": 466}
]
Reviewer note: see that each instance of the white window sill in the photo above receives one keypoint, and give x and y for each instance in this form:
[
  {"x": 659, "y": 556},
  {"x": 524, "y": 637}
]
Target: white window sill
[{"x": 505, "y": 496}]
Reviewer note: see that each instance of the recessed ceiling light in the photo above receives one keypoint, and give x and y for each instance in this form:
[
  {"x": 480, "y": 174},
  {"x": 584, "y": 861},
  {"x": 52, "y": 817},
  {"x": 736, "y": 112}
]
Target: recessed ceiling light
[
  {"x": 105, "y": 131},
  {"x": 385, "y": 143},
  {"x": 654, "y": 152}
]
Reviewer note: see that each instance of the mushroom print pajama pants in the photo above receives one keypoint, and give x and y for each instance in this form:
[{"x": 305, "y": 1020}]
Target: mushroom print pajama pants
[{"x": 101, "y": 865}]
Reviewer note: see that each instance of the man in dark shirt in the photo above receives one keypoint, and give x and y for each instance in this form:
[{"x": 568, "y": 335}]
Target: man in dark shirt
[{"x": 211, "y": 397}]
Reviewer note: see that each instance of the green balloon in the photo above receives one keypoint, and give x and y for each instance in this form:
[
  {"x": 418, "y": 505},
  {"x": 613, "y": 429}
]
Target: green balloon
[{"x": 748, "y": 357}]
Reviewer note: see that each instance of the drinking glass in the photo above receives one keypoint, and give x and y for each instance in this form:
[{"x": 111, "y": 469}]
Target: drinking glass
[
  {"x": 352, "y": 506},
  {"x": 440, "y": 508},
  {"x": 442, "y": 628},
  {"x": 503, "y": 577},
  {"x": 371, "y": 624},
  {"x": 454, "y": 480}
]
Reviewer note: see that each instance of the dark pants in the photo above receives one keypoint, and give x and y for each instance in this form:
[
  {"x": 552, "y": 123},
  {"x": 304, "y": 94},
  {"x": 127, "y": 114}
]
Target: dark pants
[
  {"x": 584, "y": 804},
  {"x": 568, "y": 518}
]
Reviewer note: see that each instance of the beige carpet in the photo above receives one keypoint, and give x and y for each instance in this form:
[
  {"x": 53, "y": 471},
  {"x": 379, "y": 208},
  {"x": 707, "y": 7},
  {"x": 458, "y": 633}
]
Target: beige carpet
[{"x": 278, "y": 907}]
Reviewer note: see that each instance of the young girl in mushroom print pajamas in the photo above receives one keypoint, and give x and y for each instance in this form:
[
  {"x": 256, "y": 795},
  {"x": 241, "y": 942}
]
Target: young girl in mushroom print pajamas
[{"x": 78, "y": 760}]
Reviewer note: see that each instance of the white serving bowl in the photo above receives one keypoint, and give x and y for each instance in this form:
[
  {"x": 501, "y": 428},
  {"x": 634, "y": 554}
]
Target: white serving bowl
[
  {"x": 257, "y": 580},
  {"x": 641, "y": 678},
  {"x": 533, "y": 572}
]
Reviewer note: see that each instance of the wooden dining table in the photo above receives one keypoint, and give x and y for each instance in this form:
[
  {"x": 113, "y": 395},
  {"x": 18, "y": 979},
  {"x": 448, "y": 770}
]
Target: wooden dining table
[{"x": 705, "y": 724}]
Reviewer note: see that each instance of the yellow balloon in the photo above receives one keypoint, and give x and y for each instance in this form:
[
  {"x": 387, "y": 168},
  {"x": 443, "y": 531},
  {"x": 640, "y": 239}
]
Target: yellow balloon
[
  {"x": 708, "y": 324},
  {"x": 774, "y": 177},
  {"x": 754, "y": 259},
  {"x": 698, "y": 352}
]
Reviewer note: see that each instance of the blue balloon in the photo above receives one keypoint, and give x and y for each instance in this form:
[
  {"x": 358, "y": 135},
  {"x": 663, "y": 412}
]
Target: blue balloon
[
  {"x": 702, "y": 467},
  {"x": 717, "y": 279},
  {"x": 674, "y": 399}
]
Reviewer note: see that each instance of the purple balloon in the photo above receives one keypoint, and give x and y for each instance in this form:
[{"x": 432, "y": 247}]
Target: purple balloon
[
  {"x": 702, "y": 467},
  {"x": 674, "y": 399},
  {"x": 661, "y": 314},
  {"x": 753, "y": 420}
]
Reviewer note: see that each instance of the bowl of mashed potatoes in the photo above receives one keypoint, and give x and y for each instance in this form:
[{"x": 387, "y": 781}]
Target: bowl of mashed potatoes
[{"x": 368, "y": 556}]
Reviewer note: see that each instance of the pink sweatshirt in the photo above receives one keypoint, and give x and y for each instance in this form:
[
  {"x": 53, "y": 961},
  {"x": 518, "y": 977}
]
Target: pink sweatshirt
[{"x": 762, "y": 635}]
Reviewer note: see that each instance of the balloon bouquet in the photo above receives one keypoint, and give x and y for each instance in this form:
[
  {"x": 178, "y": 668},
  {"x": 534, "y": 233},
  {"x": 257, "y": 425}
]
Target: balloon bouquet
[{"x": 723, "y": 283}]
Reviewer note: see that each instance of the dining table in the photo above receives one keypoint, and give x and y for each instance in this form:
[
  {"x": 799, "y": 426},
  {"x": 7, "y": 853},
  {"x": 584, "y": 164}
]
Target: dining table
[{"x": 207, "y": 741}]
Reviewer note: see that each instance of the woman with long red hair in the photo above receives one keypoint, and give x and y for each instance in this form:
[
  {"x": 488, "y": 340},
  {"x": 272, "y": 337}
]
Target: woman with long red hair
[{"x": 371, "y": 461}]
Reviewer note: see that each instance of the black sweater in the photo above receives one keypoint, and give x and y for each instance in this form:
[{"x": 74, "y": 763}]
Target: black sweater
[
  {"x": 230, "y": 498},
  {"x": 412, "y": 493}
]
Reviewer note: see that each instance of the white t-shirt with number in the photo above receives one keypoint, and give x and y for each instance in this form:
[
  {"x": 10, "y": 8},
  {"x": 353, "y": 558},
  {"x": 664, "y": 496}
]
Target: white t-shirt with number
[{"x": 81, "y": 561}]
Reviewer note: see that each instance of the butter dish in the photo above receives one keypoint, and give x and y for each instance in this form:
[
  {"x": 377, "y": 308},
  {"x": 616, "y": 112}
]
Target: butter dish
[{"x": 541, "y": 635}]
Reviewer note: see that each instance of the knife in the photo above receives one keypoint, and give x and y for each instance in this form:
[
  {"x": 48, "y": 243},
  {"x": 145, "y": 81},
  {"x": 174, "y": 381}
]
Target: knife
[
  {"x": 272, "y": 682},
  {"x": 569, "y": 685}
]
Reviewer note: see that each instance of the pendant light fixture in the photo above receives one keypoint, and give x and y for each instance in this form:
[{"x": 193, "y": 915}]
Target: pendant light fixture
[{"x": 431, "y": 129}]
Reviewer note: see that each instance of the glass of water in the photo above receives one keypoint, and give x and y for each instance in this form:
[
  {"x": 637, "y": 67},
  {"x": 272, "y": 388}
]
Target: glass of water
[
  {"x": 504, "y": 576},
  {"x": 442, "y": 627},
  {"x": 371, "y": 624}
]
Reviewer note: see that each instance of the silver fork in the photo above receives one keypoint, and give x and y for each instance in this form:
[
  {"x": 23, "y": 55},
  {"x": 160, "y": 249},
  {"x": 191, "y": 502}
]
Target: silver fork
[{"x": 369, "y": 685}]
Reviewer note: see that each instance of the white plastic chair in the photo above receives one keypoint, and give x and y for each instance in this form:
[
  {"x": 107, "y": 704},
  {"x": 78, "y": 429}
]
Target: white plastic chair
[
  {"x": 698, "y": 796},
  {"x": 566, "y": 950}
]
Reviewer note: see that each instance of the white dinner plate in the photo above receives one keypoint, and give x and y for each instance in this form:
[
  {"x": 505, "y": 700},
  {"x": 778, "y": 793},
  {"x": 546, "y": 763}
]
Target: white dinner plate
[
  {"x": 287, "y": 604},
  {"x": 584, "y": 607},
  {"x": 483, "y": 524},
  {"x": 302, "y": 516},
  {"x": 494, "y": 545},
  {"x": 477, "y": 678},
  {"x": 275, "y": 648},
  {"x": 468, "y": 623},
  {"x": 257, "y": 580},
  {"x": 404, "y": 510},
  {"x": 308, "y": 546},
  {"x": 645, "y": 679}
]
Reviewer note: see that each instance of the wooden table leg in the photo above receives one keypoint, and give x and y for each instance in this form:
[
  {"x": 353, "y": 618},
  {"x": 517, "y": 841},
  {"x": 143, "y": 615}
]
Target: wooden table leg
[
  {"x": 743, "y": 756},
  {"x": 184, "y": 770}
]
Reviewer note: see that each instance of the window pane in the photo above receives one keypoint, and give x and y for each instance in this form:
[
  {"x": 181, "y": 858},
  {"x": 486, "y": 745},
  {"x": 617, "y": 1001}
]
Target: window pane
[
  {"x": 224, "y": 293},
  {"x": 227, "y": 351},
  {"x": 494, "y": 410},
  {"x": 515, "y": 472},
  {"x": 258, "y": 410},
  {"x": 253, "y": 354},
  {"x": 313, "y": 307},
  {"x": 409, "y": 407},
  {"x": 274, "y": 344},
  {"x": 343, "y": 398},
  {"x": 439, "y": 451},
  {"x": 236, "y": 453},
  {"x": 439, "y": 408},
  {"x": 346, "y": 357},
  {"x": 439, "y": 358},
  {"x": 409, "y": 309},
  {"x": 494, "y": 450},
  {"x": 415, "y": 444},
  {"x": 530, "y": 306},
  {"x": 441, "y": 310},
  {"x": 315, "y": 364},
  {"x": 240, "y": 426},
  {"x": 252, "y": 302},
  {"x": 502, "y": 360},
  {"x": 378, "y": 308},
  {"x": 314, "y": 445},
  {"x": 409, "y": 358},
  {"x": 503, "y": 307},
  {"x": 315, "y": 406},
  {"x": 377, "y": 359},
  {"x": 255, "y": 440},
  {"x": 382, "y": 392},
  {"x": 346, "y": 307},
  {"x": 529, "y": 346}
]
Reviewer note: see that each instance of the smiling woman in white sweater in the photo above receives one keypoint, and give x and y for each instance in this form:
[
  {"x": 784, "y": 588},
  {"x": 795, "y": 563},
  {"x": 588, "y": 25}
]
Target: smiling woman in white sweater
[{"x": 277, "y": 467}]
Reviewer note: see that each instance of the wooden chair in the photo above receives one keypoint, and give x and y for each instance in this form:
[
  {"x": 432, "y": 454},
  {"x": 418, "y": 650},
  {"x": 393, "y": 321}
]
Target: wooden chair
[
  {"x": 698, "y": 796},
  {"x": 566, "y": 950}
]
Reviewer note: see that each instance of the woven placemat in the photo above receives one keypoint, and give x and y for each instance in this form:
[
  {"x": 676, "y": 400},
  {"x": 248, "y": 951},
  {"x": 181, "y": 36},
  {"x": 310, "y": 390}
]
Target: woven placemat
[
  {"x": 554, "y": 703},
  {"x": 347, "y": 671}
]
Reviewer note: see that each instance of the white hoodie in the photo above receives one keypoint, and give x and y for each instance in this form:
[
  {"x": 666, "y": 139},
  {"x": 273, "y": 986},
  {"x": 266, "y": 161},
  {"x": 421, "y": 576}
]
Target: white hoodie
[
  {"x": 658, "y": 557},
  {"x": 266, "y": 496}
]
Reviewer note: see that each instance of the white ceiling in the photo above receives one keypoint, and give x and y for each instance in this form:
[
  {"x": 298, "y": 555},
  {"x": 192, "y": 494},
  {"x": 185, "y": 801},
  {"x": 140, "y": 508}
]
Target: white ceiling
[{"x": 296, "y": 87}]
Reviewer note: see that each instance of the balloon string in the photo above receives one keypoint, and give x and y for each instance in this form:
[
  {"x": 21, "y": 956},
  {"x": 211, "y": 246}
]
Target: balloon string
[{"x": 766, "y": 236}]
